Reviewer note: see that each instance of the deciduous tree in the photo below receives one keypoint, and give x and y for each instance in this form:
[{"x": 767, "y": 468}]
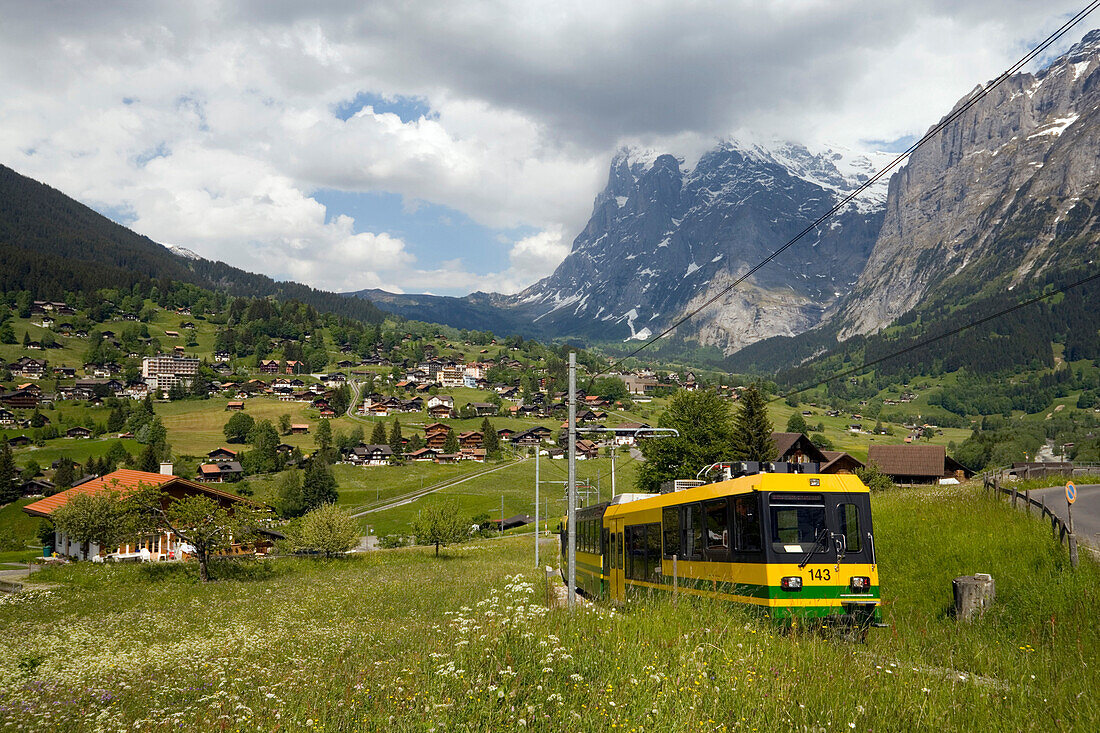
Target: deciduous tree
[
  {"x": 441, "y": 525},
  {"x": 705, "y": 424},
  {"x": 237, "y": 427},
  {"x": 103, "y": 517},
  {"x": 328, "y": 529}
]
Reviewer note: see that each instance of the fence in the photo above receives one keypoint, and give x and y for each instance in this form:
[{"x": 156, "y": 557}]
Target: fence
[{"x": 995, "y": 480}]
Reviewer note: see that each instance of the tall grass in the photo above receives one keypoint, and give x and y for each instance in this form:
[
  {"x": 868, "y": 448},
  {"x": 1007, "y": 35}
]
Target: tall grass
[{"x": 399, "y": 641}]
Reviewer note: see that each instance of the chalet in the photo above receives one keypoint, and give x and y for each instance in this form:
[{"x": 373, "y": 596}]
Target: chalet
[
  {"x": 472, "y": 454},
  {"x": 269, "y": 366},
  {"x": 505, "y": 434},
  {"x": 35, "y": 345},
  {"x": 36, "y": 487},
  {"x": 327, "y": 414},
  {"x": 172, "y": 334},
  {"x": 187, "y": 324},
  {"x": 299, "y": 429},
  {"x": 222, "y": 357},
  {"x": 448, "y": 457},
  {"x": 19, "y": 441},
  {"x": 627, "y": 433},
  {"x": 839, "y": 462},
  {"x": 440, "y": 411},
  {"x": 441, "y": 399},
  {"x": 222, "y": 454},
  {"x": 220, "y": 472},
  {"x": 7, "y": 417},
  {"x": 422, "y": 454},
  {"x": 64, "y": 372},
  {"x": 78, "y": 432},
  {"x": 369, "y": 455},
  {"x": 587, "y": 449},
  {"x": 532, "y": 436},
  {"x": 165, "y": 545},
  {"x": 796, "y": 448},
  {"x": 285, "y": 448},
  {"x": 336, "y": 379},
  {"x": 101, "y": 387},
  {"x": 235, "y": 406},
  {"x": 916, "y": 464},
  {"x": 471, "y": 439},
  {"x": 293, "y": 367},
  {"x": 28, "y": 368},
  {"x": 435, "y": 435},
  {"x": 20, "y": 399}
]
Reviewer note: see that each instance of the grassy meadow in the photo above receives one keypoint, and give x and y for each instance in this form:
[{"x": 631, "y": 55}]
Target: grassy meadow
[{"x": 399, "y": 640}]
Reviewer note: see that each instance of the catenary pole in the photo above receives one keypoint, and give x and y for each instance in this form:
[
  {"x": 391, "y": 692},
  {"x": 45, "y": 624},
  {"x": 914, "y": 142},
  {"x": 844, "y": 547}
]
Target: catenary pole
[
  {"x": 571, "y": 573},
  {"x": 536, "y": 507}
]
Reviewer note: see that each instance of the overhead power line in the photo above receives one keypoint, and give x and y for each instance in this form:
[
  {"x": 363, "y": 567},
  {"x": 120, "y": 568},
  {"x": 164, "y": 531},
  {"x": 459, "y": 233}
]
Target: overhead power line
[
  {"x": 932, "y": 340},
  {"x": 962, "y": 109}
]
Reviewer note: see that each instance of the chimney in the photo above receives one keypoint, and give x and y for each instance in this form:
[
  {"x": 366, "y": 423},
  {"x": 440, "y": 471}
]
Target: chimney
[{"x": 166, "y": 469}]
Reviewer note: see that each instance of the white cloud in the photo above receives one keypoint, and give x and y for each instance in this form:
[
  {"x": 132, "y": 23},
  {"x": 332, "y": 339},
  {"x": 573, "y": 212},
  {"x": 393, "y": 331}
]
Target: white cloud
[{"x": 211, "y": 122}]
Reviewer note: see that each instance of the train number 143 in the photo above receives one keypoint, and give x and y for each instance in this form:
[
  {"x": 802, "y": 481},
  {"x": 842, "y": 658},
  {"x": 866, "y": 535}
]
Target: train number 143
[{"x": 820, "y": 574}]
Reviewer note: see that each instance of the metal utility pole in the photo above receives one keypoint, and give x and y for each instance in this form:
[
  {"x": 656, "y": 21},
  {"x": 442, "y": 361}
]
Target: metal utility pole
[
  {"x": 536, "y": 508},
  {"x": 613, "y": 449},
  {"x": 571, "y": 574}
]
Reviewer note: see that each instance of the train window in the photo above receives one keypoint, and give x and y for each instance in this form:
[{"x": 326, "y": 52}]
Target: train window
[
  {"x": 849, "y": 525},
  {"x": 692, "y": 528},
  {"x": 718, "y": 525},
  {"x": 635, "y": 552},
  {"x": 670, "y": 520},
  {"x": 653, "y": 551},
  {"x": 796, "y": 528},
  {"x": 746, "y": 524}
]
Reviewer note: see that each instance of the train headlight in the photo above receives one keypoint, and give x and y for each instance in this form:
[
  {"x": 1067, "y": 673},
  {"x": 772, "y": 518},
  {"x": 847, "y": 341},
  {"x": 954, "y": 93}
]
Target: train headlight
[
  {"x": 860, "y": 584},
  {"x": 791, "y": 582}
]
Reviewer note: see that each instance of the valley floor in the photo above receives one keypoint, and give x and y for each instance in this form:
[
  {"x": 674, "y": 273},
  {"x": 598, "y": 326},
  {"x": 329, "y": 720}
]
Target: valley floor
[{"x": 401, "y": 640}]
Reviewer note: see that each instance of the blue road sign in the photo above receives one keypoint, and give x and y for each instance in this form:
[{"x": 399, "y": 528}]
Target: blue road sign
[{"x": 1071, "y": 492}]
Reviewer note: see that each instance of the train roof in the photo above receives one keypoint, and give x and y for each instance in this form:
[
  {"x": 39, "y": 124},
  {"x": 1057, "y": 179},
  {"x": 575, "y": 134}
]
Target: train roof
[{"x": 838, "y": 483}]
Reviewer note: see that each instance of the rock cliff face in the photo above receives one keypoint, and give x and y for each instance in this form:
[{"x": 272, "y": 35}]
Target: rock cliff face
[
  {"x": 1004, "y": 193},
  {"x": 662, "y": 239}
]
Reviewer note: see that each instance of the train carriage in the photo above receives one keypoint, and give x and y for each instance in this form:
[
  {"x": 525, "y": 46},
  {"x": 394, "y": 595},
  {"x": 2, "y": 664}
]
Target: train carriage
[{"x": 793, "y": 546}]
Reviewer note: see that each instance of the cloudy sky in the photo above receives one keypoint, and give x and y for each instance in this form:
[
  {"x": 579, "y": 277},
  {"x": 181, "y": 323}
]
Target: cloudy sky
[{"x": 451, "y": 146}]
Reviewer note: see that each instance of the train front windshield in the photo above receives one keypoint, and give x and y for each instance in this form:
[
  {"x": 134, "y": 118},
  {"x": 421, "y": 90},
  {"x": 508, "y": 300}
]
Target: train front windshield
[{"x": 797, "y": 527}]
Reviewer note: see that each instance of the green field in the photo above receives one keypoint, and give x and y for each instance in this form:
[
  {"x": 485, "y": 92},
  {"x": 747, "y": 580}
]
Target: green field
[{"x": 398, "y": 640}]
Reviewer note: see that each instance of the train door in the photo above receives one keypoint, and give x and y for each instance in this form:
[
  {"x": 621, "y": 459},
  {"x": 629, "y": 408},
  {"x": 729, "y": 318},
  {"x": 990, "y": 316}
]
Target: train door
[{"x": 617, "y": 588}]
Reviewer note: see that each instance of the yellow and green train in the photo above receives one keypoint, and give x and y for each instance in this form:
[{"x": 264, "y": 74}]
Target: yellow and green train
[{"x": 794, "y": 546}]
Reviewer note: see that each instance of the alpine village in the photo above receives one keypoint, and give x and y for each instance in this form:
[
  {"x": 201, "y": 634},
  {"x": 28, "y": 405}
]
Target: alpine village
[{"x": 787, "y": 437}]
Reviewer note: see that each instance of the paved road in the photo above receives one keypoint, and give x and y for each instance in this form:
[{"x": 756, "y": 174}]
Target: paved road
[{"x": 1086, "y": 510}]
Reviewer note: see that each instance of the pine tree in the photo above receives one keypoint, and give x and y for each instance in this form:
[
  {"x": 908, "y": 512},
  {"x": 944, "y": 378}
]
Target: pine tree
[
  {"x": 752, "y": 430},
  {"x": 451, "y": 445},
  {"x": 65, "y": 474},
  {"x": 147, "y": 461},
  {"x": 490, "y": 440},
  {"x": 9, "y": 487},
  {"x": 319, "y": 485},
  {"x": 395, "y": 438},
  {"x": 323, "y": 437},
  {"x": 378, "y": 437}
]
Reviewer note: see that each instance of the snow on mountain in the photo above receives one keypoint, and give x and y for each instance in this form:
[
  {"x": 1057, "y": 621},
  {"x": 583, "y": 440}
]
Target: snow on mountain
[
  {"x": 663, "y": 235},
  {"x": 182, "y": 252}
]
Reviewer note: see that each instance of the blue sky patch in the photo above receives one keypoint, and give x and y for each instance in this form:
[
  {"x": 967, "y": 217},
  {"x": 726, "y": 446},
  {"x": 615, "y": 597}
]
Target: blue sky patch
[
  {"x": 407, "y": 108},
  {"x": 431, "y": 232}
]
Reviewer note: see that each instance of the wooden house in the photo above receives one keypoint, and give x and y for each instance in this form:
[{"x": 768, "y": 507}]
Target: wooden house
[{"x": 162, "y": 546}]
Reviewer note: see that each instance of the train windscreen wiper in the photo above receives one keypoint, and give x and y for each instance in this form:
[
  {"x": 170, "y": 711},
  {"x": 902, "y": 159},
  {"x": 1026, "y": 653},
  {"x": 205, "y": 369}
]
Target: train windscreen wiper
[{"x": 822, "y": 535}]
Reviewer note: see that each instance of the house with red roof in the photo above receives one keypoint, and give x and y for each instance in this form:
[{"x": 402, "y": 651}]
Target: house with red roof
[{"x": 163, "y": 546}]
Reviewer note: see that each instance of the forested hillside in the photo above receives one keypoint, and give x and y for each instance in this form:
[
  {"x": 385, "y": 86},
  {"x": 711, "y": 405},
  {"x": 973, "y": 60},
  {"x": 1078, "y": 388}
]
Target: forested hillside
[{"x": 52, "y": 245}]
